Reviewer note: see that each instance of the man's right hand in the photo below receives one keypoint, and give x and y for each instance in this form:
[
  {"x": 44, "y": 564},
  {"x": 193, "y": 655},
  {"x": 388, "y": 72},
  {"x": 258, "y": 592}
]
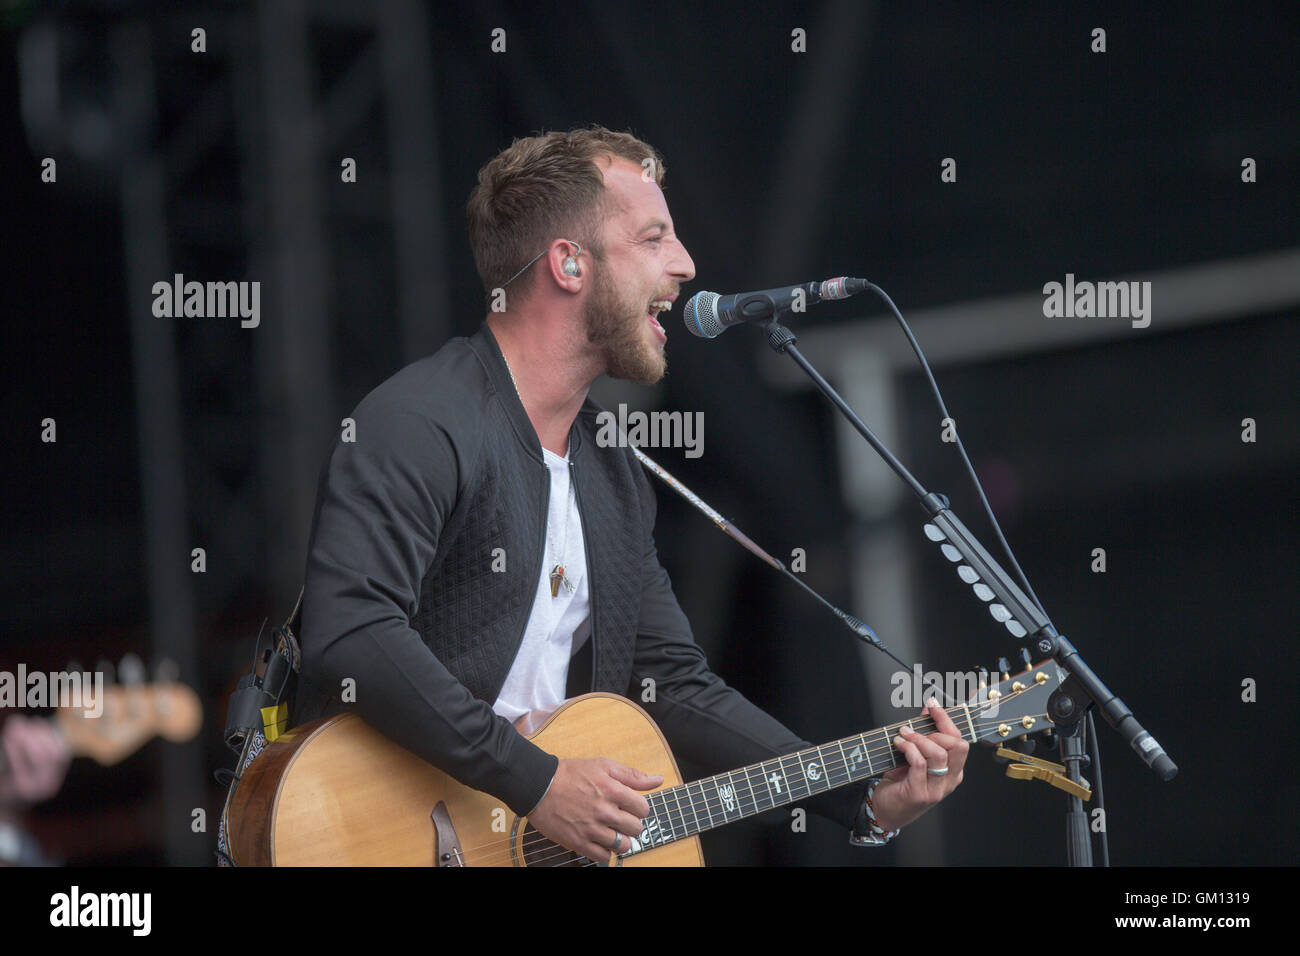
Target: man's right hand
[{"x": 592, "y": 801}]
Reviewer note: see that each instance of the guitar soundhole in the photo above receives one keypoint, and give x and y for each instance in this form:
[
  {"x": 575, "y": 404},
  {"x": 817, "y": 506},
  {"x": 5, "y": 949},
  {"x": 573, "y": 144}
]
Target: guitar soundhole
[{"x": 537, "y": 850}]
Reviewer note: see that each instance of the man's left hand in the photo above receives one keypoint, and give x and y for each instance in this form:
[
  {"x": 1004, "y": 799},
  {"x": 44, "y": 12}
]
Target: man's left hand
[
  {"x": 905, "y": 793},
  {"x": 37, "y": 758}
]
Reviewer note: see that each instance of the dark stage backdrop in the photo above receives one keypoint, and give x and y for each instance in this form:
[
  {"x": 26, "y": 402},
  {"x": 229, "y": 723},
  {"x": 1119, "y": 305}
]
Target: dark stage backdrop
[{"x": 956, "y": 154}]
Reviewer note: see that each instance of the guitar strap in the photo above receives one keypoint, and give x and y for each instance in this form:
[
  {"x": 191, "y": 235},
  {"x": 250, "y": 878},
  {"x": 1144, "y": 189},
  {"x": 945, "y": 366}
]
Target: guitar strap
[
  {"x": 262, "y": 698},
  {"x": 259, "y": 708}
]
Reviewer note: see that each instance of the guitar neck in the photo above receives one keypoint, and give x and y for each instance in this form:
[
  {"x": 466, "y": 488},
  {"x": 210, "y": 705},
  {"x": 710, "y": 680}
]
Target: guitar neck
[
  {"x": 124, "y": 718},
  {"x": 691, "y": 808}
]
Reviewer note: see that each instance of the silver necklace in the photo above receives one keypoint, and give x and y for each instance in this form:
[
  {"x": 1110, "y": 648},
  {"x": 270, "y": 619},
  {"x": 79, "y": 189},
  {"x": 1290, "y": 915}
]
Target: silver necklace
[{"x": 558, "y": 577}]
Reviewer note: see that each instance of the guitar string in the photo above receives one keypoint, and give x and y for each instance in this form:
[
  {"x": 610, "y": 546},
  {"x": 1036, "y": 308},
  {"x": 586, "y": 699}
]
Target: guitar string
[
  {"x": 926, "y": 725},
  {"x": 832, "y": 769},
  {"x": 589, "y": 863},
  {"x": 560, "y": 851}
]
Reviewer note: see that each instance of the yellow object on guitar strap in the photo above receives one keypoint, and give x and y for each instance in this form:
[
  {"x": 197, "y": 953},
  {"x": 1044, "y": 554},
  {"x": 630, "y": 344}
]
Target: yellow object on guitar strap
[{"x": 273, "y": 721}]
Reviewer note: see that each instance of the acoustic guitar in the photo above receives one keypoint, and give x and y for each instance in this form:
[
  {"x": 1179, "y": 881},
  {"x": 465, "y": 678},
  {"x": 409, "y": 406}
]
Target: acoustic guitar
[{"x": 336, "y": 792}]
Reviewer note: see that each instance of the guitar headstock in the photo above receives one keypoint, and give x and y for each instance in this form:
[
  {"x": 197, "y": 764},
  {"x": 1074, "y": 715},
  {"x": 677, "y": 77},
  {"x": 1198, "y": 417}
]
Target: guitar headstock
[
  {"x": 132, "y": 715},
  {"x": 1015, "y": 706}
]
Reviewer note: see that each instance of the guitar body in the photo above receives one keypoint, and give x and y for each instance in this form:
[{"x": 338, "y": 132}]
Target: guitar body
[{"x": 336, "y": 792}]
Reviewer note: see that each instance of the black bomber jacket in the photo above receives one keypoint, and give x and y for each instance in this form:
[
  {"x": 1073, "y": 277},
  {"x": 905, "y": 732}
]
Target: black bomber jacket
[{"x": 406, "y": 621}]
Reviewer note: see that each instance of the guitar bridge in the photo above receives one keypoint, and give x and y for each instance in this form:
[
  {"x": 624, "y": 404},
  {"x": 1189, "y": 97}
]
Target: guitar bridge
[{"x": 446, "y": 847}]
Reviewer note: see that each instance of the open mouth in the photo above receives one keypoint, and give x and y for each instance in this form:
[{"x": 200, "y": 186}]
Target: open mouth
[{"x": 652, "y": 313}]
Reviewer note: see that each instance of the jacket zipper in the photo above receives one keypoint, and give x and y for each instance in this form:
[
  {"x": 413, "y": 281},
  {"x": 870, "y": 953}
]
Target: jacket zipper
[
  {"x": 591, "y": 577},
  {"x": 541, "y": 545}
]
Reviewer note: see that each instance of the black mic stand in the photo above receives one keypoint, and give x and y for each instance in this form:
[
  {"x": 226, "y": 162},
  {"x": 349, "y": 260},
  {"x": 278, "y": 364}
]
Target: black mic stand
[{"x": 1025, "y": 620}]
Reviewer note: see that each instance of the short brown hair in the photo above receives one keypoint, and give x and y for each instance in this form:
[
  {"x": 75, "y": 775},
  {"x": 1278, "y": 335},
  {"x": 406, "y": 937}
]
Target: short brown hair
[{"x": 543, "y": 188}]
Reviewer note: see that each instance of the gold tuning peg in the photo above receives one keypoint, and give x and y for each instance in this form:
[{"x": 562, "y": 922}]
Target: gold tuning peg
[{"x": 130, "y": 669}]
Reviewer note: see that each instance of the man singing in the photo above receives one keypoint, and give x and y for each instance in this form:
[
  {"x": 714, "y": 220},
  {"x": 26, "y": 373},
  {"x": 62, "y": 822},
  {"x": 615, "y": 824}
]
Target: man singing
[{"x": 477, "y": 555}]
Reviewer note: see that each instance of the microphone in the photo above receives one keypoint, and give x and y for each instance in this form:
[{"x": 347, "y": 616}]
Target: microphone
[{"x": 708, "y": 314}]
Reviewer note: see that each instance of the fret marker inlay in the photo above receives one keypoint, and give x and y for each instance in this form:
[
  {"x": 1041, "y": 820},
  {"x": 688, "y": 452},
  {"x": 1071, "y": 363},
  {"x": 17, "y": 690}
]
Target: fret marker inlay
[{"x": 728, "y": 798}]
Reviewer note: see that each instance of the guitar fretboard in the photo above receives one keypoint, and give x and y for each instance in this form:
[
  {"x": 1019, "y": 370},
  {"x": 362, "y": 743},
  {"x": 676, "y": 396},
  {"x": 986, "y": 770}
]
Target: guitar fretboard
[{"x": 691, "y": 808}]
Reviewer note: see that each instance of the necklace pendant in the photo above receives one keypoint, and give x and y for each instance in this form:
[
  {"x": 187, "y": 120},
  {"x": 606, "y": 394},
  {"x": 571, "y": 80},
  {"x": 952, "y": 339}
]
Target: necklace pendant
[{"x": 557, "y": 576}]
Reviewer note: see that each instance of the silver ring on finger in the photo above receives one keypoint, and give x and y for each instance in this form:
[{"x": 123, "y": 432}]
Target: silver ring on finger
[
  {"x": 618, "y": 838},
  {"x": 940, "y": 772}
]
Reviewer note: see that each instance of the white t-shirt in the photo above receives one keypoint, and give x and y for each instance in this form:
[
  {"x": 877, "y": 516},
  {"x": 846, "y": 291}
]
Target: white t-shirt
[{"x": 557, "y": 626}]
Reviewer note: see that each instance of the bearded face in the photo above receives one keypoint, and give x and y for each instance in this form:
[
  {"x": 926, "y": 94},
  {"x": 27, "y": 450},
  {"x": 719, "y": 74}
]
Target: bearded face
[{"x": 619, "y": 328}]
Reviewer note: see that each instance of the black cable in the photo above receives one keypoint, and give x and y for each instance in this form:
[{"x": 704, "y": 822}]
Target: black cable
[
  {"x": 970, "y": 469},
  {"x": 1101, "y": 793},
  {"x": 257, "y": 643},
  {"x": 997, "y": 530}
]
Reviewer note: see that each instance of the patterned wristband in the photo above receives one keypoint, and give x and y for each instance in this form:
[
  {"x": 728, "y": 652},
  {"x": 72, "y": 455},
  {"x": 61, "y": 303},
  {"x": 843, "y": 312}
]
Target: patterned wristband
[{"x": 866, "y": 832}]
